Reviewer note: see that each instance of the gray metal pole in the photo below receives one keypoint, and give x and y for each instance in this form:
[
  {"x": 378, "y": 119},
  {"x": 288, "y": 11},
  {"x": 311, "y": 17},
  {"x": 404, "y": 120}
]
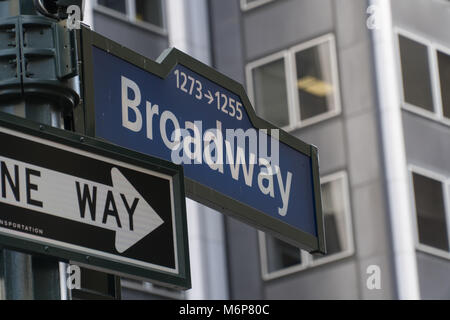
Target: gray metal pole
[
  {"x": 25, "y": 277},
  {"x": 16, "y": 274}
]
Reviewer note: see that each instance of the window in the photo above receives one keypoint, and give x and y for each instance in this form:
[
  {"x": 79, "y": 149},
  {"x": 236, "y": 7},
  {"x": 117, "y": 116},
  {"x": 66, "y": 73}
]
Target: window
[
  {"x": 430, "y": 194},
  {"x": 271, "y": 94},
  {"x": 280, "y": 255},
  {"x": 279, "y": 258},
  {"x": 250, "y": 4},
  {"x": 315, "y": 81},
  {"x": 425, "y": 75},
  {"x": 444, "y": 74},
  {"x": 335, "y": 207},
  {"x": 147, "y": 12},
  {"x": 416, "y": 74},
  {"x": 298, "y": 86},
  {"x": 117, "y": 5}
]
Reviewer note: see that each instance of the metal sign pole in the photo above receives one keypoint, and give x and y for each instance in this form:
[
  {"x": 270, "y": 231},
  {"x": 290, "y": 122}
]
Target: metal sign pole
[{"x": 36, "y": 85}]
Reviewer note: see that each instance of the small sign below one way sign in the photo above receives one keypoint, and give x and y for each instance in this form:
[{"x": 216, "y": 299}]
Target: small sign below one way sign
[{"x": 101, "y": 206}]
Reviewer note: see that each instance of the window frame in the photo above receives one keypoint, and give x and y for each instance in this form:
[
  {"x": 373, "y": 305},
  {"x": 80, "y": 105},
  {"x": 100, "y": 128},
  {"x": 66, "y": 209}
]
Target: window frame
[
  {"x": 266, "y": 275},
  {"x": 290, "y": 63},
  {"x": 432, "y": 49},
  {"x": 445, "y": 182},
  {"x": 249, "y": 6},
  {"x": 284, "y": 55},
  {"x": 445, "y": 50},
  {"x": 130, "y": 16},
  {"x": 307, "y": 260}
]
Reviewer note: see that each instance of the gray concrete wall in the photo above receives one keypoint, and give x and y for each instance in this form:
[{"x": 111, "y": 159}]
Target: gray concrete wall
[
  {"x": 424, "y": 17},
  {"x": 427, "y": 141},
  {"x": 433, "y": 276},
  {"x": 347, "y": 142},
  {"x": 138, "y": 38},
  {"x": 281, "y": 24}
]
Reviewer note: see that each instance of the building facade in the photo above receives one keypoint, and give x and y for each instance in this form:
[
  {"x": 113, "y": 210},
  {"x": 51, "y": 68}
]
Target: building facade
[{"x": 379, "y": 114}]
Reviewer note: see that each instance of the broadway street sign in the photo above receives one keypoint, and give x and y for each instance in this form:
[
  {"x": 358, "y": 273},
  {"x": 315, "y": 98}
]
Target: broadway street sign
[
  {"x": 183, "y": 111},
  {"x": 92, "y": 203}
]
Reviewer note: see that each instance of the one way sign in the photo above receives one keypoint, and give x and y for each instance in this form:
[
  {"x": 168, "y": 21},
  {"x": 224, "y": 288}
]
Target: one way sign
[{"x": 92, "y": 203}]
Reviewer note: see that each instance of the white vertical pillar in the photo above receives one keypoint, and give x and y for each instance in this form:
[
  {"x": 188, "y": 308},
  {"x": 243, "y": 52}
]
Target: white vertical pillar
[
  {"x": 88, "y": 14},
  {"x": 207, "y": 253},
  {"x": 177, "y": 24},
  {"x": 63, "y": 281},
  {"x": 188, "y": 28},
  {"x": 394, "y": 152}
]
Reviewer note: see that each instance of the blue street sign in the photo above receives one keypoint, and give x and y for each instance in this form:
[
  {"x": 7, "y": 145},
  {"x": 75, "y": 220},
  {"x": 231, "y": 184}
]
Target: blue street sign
[{"x": 185, "y": 112}]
